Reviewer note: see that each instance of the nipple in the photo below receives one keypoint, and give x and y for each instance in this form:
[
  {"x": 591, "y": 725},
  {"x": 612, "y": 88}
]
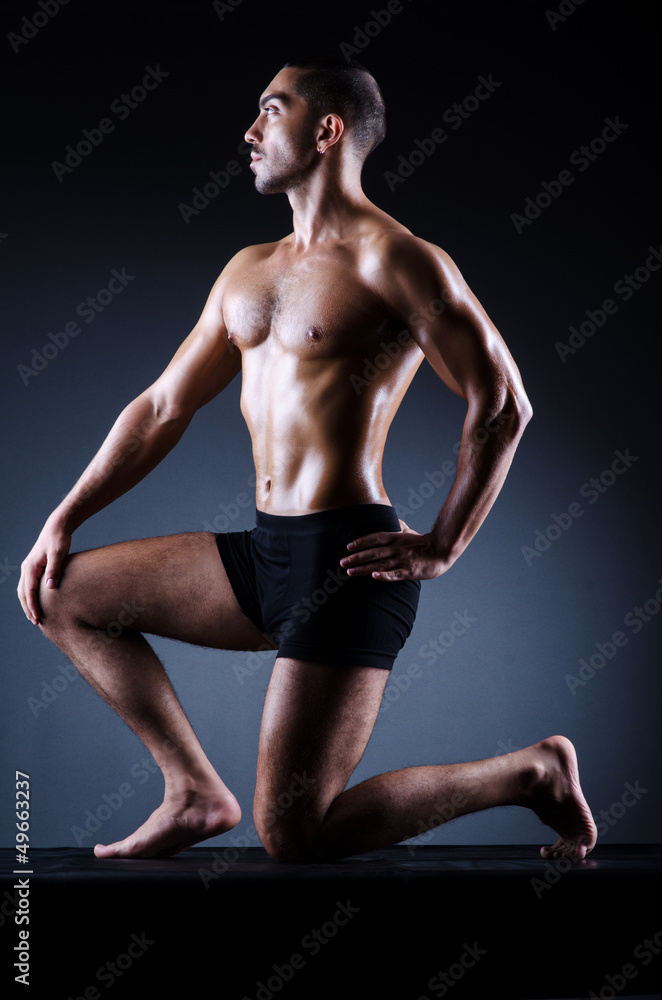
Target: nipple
[{"x": 313, "y": 333}]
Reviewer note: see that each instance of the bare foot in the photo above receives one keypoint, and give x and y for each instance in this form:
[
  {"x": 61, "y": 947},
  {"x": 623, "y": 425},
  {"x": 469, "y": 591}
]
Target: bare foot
[
  {"x": 557, "y": 799},
  {"x": 181, "y": 821}
]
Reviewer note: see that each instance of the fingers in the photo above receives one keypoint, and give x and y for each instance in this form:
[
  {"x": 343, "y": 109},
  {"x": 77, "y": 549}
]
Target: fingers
[
  {"x": 53, "y": 569},
  {"x": 378, "y": 538},
  {"x": 401, "y": 555},
  {"x": 49, "y": 566},
  {"x": 377, "y": 560},
  {"x": 28, "y": 589}
]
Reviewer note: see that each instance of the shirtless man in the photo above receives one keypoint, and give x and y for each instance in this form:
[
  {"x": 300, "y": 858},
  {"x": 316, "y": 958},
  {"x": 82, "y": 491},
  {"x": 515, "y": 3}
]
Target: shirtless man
[{"x": 298, "y": 317}]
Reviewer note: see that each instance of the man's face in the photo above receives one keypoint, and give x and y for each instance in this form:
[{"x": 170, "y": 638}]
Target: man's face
[{"x": 282, "y": 136}]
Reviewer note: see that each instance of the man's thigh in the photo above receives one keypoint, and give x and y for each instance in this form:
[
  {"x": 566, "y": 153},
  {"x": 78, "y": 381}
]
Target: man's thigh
[
  {"x": 316, "y": 723},
  {"x": 174, "y": 586}
]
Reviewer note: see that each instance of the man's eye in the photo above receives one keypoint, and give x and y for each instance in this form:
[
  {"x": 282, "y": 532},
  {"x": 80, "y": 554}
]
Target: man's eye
[{"x": 269, "y": 110}]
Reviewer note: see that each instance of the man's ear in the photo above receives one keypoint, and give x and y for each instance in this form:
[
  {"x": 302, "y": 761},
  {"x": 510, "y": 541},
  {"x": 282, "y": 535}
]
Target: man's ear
[{"x": 329, "y": 133}]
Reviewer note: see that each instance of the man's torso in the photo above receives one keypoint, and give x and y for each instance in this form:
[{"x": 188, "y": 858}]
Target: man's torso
[{"x": 325, "y": 364}]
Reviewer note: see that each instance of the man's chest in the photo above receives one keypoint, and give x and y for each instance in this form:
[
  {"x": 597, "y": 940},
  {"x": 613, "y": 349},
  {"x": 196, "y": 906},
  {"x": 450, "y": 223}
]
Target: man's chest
[{"x": 319, "y": 307}]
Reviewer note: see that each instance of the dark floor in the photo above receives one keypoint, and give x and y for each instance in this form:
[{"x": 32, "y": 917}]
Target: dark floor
[{"x": 405, "y": 923}]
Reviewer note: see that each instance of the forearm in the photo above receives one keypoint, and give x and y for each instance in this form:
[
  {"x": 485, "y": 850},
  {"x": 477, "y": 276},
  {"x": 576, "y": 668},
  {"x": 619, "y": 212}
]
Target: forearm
[
  {"x": 140, "y": 438},
  {"x": 490, "y": 438}
]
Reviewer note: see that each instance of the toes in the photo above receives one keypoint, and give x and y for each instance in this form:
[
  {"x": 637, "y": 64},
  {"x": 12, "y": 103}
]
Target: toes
[{"x": 563, "y": 849}]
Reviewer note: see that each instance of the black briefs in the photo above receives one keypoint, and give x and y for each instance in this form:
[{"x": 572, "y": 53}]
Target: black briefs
[{"x": 287, "y": 578}]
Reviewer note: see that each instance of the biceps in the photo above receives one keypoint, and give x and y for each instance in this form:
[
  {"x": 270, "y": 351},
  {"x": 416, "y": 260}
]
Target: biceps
[
  {"x": 202, "y": 367},
  {"x": 465, "y": 348},
  {"x": 449, "y": 324},
  {"x": 205, "y": 363}
]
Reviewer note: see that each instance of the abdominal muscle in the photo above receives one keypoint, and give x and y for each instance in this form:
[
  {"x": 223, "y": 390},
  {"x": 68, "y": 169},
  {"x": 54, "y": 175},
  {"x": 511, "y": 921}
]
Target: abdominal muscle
[
  {"x": 318, "y": 443},
  {"x": 317, "y": 483}
]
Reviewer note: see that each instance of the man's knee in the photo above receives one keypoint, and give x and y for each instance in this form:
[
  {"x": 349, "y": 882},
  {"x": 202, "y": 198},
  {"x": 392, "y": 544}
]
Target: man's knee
[
  {"x": 288, "y": 835},
  {"x": 59, "y": 606},
  {"x": 291, "y": 844}
]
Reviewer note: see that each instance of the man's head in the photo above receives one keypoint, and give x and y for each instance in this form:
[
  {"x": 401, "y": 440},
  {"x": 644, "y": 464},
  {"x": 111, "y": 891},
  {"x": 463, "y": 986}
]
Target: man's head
[
  {"x": 330, "y": 85},
  {"x": 311, "y": 105}
]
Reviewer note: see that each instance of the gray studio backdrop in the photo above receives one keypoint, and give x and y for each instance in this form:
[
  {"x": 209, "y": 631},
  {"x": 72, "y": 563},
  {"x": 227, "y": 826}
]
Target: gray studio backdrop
[{"x": 550, "y": 621}]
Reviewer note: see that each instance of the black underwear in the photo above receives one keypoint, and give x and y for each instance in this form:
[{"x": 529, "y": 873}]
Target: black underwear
[{"x": 287, "y": 578}]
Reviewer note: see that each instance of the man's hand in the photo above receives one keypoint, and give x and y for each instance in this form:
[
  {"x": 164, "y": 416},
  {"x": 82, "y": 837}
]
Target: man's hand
[
  {"x": 45, "y": 560},
  {"x": 395, "y": 555}
]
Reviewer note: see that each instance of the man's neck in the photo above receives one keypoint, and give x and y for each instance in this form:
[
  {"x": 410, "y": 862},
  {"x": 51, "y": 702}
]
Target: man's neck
[{"x": 325, "y": 208}]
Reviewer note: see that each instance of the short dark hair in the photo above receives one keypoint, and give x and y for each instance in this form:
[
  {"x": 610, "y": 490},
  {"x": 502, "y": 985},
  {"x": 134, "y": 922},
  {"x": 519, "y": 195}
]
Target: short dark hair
[{"x": 332, "y": 85}]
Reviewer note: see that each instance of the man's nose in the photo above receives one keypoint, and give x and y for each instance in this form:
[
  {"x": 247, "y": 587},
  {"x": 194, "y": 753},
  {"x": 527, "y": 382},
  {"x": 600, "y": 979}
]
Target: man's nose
[{"x": 252, "y": 135}]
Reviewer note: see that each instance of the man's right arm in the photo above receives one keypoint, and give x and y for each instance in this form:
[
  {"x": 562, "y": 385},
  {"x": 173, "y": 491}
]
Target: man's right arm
[{"x": 143, "y": 434}]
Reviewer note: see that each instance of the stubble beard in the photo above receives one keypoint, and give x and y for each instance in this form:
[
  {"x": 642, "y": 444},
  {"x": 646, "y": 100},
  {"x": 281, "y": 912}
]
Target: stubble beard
[
  {"x": 280, "y": 182},
  {"x": 286, "y": 175}
]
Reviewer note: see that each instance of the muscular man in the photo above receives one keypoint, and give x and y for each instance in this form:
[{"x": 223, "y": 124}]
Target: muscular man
[{"x": 298, "y": 317}]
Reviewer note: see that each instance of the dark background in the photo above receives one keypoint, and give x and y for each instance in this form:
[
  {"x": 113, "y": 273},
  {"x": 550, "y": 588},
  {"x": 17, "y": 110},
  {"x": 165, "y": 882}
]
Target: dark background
[{"x": 504, "y": 683}]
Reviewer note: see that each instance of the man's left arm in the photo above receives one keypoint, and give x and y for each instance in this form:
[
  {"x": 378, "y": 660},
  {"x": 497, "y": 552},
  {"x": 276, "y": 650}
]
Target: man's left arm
[{"x": 428, "y": 293}]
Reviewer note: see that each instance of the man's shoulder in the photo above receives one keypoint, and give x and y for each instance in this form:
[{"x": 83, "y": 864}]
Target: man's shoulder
[
  {"x": 397, "y": 246},
  {"x": 396, "y": 257},
  {"x": 238, "y": 268},
  {"x": 255, "y": 254}
]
